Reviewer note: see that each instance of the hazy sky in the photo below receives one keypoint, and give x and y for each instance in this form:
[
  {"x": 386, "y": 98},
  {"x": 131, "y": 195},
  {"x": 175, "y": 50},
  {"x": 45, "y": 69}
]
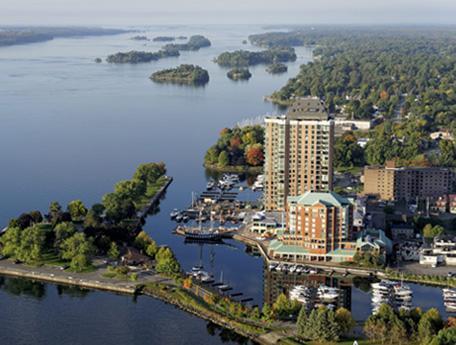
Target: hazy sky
[{"x": 140, "y": 12}]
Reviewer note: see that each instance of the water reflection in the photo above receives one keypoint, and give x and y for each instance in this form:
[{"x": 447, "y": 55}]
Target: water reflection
[
  {"x": 276, "y": 283},
  {"x": 21, "y": 287}
]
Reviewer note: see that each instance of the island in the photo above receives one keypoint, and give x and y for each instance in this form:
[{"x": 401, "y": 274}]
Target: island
[
  {"x": 98, "y": 60},
  {"x": 134, "y": 57},
  {"x": 139, "y": 38},
  {"x": 164, "y": 39},
  {"x": 277, "y": 68},
  {"x": 238, "y": 149},
  {"x": 293, "y": 38},
  {"x": 195, "y": 42},
  {"x": 183, "y": 74},
  {"x": 242, "y": 58},
  {"x": 239, "y": 74},
  {"x": 25, "y": 34}
]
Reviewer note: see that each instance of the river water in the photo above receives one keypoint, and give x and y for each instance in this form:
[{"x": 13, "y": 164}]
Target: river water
[{"x": 71, "y": 128}]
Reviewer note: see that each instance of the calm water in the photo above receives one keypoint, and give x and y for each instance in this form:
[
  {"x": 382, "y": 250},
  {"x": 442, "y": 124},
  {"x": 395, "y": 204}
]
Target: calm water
[{"x": 70, "y": 129}]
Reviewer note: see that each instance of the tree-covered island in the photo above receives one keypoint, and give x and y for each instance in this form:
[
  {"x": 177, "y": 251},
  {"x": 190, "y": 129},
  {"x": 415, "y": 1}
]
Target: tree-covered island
[
  {"x": 140, "y": 38},
  {"x": 239, "y": 74},
  {"x": 237, "y": 149},
  {"x": 195, "y": 42},
  {"x": 183, "y": 74},
  {"x": 164, "y": 39},
  {"x": 134, "y": 57},
  {"x": 277, "y": 68},
  {"x": 242, "y": 58}
]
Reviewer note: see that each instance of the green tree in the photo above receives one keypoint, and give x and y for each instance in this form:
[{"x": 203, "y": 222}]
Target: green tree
[
  {"x": 430, "y": 231},
  {"x": 79, "y": 250},
  {"x": 166, "y": 262},
  {"x": 267, "y": 312},
  {"x": 301, "y": 323},
  {"x": 54, "y": 211},
  {"x": 385, "y": 326},
  {"x": 62, "y": 231},
  {"x": 77, "y": 210},
  {"x": 11, "y": 241},
  {"x": 113, "y": 252},
  {"x": 429, "y": 325},
  {"x": 32, "y": 245},
  {"x": 345, "y": 321},
  {"x": 223, "y": 159},
  {"x": 446, "y": 336},
  {"x": 321, "y": 326},
  {"x": 284, "y": 308}
]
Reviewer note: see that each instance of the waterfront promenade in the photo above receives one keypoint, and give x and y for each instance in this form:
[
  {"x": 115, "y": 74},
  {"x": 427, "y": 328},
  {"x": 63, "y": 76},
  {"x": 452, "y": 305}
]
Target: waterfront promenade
[{"x": 89, "y": 280}]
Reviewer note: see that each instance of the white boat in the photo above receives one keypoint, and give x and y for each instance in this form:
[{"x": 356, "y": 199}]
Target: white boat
[
  {"x": 293, "y": 268},
  {"x": 449, "y": 292},
  {"x": 326, "y": 293},
  {"x": 174, "y": 213},
  {"x": 210, "y": 185},
  {"x": 272, "y": 267}
]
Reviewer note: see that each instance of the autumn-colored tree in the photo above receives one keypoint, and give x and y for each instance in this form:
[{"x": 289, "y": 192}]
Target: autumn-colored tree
[
  {"x": 187, "y": 283},
  {"x": 254, "y": 155},
  {"x": 235, "y": 142}
]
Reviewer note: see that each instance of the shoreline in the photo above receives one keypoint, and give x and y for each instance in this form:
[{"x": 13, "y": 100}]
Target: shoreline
[
  {"x": 20, "y": 271},
  {"x": 380, "y": 273},
  {"x": 234, "y": 169}
]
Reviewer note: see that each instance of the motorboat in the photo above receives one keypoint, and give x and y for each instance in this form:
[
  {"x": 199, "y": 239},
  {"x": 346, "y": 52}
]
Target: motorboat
[
  {"x": 174, "y": 213},
  {"x": 210, "y": 185},
  {"x": 326, "y": 293}
]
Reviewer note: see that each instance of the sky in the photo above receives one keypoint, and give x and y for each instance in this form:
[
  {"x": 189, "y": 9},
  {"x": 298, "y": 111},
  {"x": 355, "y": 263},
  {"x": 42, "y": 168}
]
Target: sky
[{"x": 149, "y": 12}]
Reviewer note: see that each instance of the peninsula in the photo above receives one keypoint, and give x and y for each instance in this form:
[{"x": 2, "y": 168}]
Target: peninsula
[
  {"x": 24, "y": 34},
  {"x": 183, "y": 74}
]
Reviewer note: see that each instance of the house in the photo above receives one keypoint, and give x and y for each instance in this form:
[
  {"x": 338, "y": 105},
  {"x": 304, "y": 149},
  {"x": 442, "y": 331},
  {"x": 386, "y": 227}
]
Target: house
[
  {"x": 133, "y": 257},
  {"x": 374, "y": 241},
  {"x": 442, "y": 251}
]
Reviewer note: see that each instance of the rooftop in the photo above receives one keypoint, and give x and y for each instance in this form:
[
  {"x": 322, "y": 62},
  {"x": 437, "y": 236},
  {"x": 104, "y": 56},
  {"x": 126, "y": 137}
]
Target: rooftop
[
  {"x": 308, "y": 108},
  {"x": 326, "y": 198}
]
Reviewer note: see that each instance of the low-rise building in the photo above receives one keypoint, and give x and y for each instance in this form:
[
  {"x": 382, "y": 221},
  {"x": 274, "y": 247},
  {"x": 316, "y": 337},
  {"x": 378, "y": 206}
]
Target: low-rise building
[
  {"x": 374, "y": 241},
  {"x": 442, "y": 251},
  {"x": 266, "y": 225}
]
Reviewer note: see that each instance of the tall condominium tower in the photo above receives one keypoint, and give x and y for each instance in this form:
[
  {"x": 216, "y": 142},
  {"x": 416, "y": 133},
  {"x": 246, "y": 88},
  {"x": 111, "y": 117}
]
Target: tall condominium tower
[{"x": 298, "y": 152}]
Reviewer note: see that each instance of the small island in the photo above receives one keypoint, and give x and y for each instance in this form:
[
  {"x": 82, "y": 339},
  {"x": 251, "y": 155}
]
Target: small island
[
  {"x": 183, "y": 74},
  {"x": 238, "y": 149},
  {"x": 239, "y": 74},
  {"x": 164, "y": 39},
  {"x": 139, "y": 38},
  {"x": 135, "y": 57},
  {"x": 277, "y": 68},
  {"x": 98, "y": 60},
  {"x": 194, "y": 43},
  {"x": 242, "y": 58}
]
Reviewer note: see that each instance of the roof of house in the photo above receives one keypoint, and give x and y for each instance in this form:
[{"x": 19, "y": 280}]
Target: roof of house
[{"x": 326, "y": 198}]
